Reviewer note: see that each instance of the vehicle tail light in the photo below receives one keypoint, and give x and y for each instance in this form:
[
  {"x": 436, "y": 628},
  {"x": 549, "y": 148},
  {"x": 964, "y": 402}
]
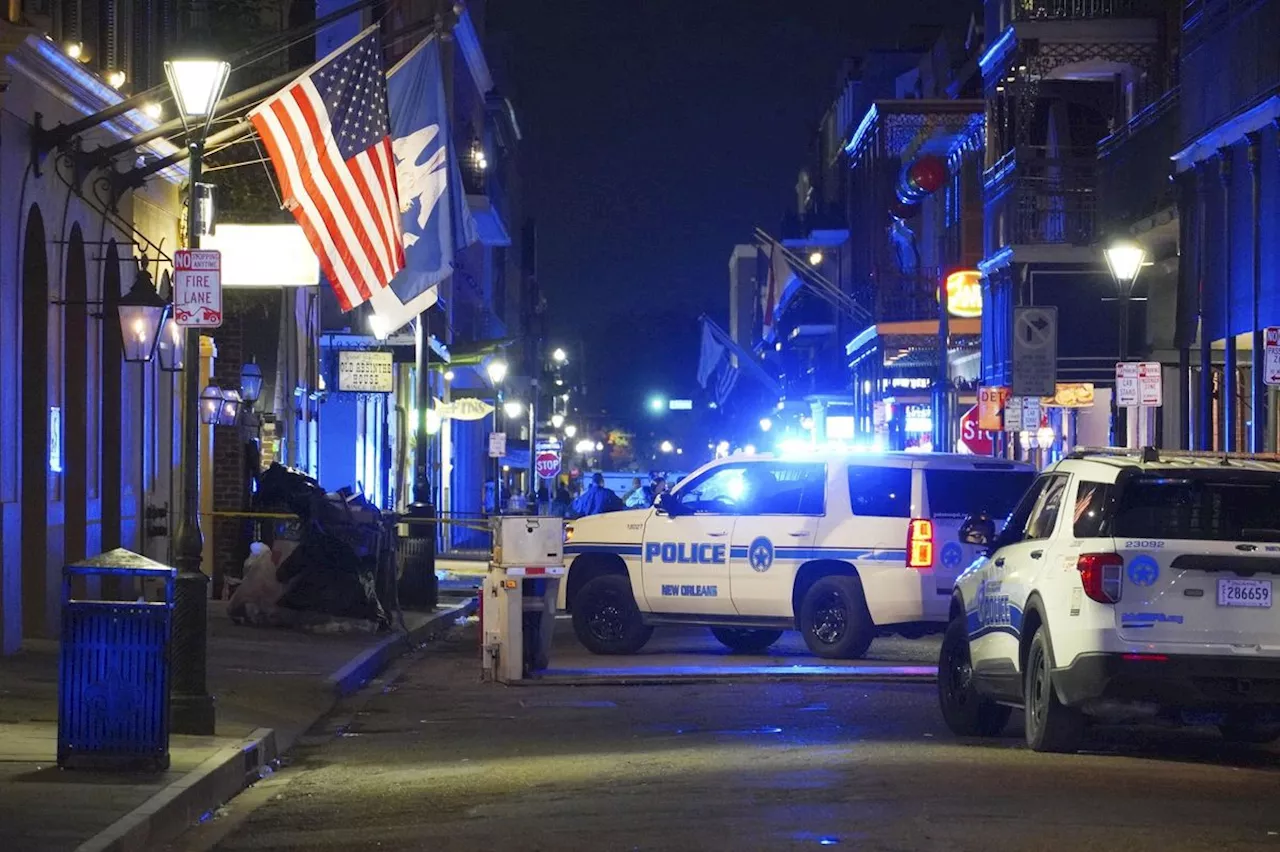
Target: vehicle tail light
[
  {"x": 1146, "y": 658},
  {"x": 1100, "y": 575},
  {"x": 920, "y": 544}
]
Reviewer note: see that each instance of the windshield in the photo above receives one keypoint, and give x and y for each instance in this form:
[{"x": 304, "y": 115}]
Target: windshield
[
  {"x": 966, "y": 492},
  {"x": 1200, "y": 509}
]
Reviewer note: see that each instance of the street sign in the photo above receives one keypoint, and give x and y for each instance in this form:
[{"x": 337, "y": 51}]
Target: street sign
[
  {"x": 497, "y": 445},
  {"x": 1035, "y": 351},
  {"x": 1013, "y": 414},
  {"x": 976, "y": 440},
  {"x": 197, "y": 288},
  {"x": 991, "y": 405},
  {"x": 546, "y": 460},
  {"x": 1139, "y": 384},
  {"x": 1271, "y": 356},
  {"x": 366, "y": 371},
  {"x": 1031, "y": 414}
]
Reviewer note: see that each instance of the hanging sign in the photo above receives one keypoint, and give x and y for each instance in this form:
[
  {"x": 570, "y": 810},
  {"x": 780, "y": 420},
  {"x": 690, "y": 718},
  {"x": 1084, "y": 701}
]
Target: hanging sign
[
  {"x": 366, "y": 371},
  {"x": 991, "y": 406},
  {"x": 463, "y": 409}
]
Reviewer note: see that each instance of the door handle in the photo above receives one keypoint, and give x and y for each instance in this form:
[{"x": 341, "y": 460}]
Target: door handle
[
  {"x": 1036, "y": 554},
  {"x": 798, "y": 534},
  {"x": 1000, "y": 562},
  {"x": 717, "y": 534}
]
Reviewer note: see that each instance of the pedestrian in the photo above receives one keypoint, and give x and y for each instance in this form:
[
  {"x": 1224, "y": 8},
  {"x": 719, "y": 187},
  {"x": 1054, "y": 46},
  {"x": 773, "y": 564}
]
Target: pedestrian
[{"x": 597, "y": 499}]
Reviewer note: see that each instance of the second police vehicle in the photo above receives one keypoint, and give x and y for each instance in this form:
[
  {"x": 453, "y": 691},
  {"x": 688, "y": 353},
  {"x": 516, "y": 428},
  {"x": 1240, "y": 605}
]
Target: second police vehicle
[
  {"x": 838, "y": 546},
  {"x": 1125, "y": 586}
]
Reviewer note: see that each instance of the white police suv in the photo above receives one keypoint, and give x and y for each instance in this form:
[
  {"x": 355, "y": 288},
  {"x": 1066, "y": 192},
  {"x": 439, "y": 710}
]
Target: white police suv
[
  {"x": 1125, "y": 586},
  {"x": 837, "y": 546}
]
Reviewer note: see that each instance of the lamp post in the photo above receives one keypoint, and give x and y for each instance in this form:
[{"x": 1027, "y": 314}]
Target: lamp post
[
  {"x": 197, "y": 81},
  {"x": 1124, "y": 259},
  {"x": 496, "y": 370}
]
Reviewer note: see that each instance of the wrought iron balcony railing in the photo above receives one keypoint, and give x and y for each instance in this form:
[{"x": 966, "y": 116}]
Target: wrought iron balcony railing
[
  {"x": 1039, "y": 195},
  {"x": 902, "y": 296},
  {"x": 1039, "y": 10}
]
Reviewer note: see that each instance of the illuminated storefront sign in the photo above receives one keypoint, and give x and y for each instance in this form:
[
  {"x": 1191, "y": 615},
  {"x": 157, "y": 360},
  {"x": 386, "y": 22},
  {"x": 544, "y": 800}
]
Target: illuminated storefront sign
[{"x": 964, "y": 293}]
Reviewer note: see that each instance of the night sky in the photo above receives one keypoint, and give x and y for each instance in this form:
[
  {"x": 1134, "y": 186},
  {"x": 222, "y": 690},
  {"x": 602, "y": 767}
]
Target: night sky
[{"x": 657, "y": 134}]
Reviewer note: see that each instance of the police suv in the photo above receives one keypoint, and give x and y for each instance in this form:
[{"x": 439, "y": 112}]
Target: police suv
[
  {"x": 837, "y": 546},
  {"x": 1125, "y": 586}
]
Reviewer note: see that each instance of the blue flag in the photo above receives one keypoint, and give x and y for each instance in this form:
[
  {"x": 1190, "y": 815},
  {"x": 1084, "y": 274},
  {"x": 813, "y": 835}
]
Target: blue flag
[{"x": 434, "y": 217}]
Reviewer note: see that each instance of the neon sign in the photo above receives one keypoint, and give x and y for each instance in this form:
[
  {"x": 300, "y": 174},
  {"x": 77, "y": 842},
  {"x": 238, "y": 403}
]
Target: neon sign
[{"x": 964, "y": 293}]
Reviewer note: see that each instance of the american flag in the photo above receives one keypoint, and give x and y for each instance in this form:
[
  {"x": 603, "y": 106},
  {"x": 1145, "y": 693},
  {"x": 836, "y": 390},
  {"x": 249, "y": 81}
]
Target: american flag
[{"x": 327, "y": 136}]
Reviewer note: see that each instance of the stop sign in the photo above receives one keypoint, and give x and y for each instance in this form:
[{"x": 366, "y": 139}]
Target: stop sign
[
  {"x": 980, "y": 442},
  {"x": 547, "y": 463}
]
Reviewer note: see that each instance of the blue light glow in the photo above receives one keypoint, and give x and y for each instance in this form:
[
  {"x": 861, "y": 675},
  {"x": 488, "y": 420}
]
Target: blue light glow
[
  {"x": 1002, "y": 44},
  {"x": 863, "y": 128}
]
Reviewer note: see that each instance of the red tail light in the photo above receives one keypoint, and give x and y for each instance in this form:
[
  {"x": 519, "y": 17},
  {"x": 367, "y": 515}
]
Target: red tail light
[
  {"x": 1100, "y": 575},
  {"x": 1146, "y": 658},
  {"x": 920, "y": 544}
]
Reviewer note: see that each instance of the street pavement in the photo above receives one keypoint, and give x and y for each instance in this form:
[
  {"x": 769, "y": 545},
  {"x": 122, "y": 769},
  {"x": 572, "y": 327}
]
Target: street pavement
[{"x": 434, "y": 759}]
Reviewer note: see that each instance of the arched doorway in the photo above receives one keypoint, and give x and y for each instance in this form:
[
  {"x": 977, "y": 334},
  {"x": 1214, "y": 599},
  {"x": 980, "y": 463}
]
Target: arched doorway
[
  {"x": 35, "y": 428},
  {"x": 112, "y": 367},
  {"x": 75, "y": 418}
]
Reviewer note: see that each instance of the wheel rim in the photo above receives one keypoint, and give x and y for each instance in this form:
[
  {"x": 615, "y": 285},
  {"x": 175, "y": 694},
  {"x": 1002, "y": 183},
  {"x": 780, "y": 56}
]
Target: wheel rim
[
  {"x": 607, "y": 617},
  {"x": 1038, "y": 700},
  {"x": 959, "y": 671},
  {"x": 830, "y": 618}
]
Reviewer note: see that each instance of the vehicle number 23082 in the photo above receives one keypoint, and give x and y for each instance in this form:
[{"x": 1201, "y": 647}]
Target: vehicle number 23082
[{"x": 1256, "y": 593}]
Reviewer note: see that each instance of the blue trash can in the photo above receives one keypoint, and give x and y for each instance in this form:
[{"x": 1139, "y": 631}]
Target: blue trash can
[{"x": 113, "y": 678}]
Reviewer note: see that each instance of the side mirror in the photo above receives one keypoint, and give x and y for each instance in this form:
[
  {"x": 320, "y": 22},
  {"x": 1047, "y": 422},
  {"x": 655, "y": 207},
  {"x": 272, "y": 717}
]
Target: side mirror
[
  {"x": 666, "y": 504},
  {"x": 978, "y": 530}
]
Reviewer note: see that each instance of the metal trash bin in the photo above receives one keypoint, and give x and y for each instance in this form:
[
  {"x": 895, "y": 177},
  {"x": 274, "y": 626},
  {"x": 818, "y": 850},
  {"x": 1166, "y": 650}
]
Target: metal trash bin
[{"x": 113, "y": 676}]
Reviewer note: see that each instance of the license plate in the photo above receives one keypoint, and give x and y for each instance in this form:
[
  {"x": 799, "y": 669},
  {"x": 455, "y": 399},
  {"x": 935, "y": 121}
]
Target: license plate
[{"x": 1244, "y": 593}]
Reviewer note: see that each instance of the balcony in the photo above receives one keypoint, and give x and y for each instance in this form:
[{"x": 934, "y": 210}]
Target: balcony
[
  {"x": 903, "y": 296},
  {"x": 1040, "y": 196},
  {"x": 1056, "y": 10},
  {"x": 1134, "y": 165}
]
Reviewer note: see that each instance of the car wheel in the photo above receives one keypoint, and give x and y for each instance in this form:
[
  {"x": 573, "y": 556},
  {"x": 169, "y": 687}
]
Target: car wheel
[
  {"x": 965, "y": 711},
  {"x": 834, "y": 619},
  {"x": 744, "y": 640},
  {"x": 1246, "y": 730},
  {"x": 1051, "y": 725},
  {"x": 606, "y": 619}
]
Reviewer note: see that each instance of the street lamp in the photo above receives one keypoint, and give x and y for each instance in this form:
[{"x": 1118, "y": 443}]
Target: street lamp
[
  {"x": 197, "y": 81},
  {"x": 657, "y": 403},
  {"x": 765, "y": 424},
  {"x": 1125, "y": 259},
  {"x": 172, "y": 347},
  {"x": 557, "y": 420},
  {"x": 666, "y": 446},
  {"x": 815, "y": 258},
  {"x": 210, "y": 405},
  {"x": 142, "y": 312},
  {"x": 559, "y": 355},
  {"x": 513, "y": 409},
  {"x": 229, "y": 413},
  {"x": 570, "y": 430},
  {"x": 250, "y": 383},
  {"x": 496, "y": 371}
]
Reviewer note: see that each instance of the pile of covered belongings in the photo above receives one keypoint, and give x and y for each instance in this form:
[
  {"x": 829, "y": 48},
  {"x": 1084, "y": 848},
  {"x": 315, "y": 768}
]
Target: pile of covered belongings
[{"x": 323, "y": 572}]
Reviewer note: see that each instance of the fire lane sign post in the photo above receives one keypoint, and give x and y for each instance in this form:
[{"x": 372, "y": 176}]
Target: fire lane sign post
[{"x": 197, "y": 288}]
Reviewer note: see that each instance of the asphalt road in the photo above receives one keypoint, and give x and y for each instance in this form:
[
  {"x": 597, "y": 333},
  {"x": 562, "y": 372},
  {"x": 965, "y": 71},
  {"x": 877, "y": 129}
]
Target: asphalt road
[{"x": 436, "y": 760}]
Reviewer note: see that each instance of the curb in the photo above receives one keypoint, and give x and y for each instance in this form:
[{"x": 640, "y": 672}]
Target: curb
[
  {"x": 670, "y": 680},
  {"x": 234, "y": 768}
]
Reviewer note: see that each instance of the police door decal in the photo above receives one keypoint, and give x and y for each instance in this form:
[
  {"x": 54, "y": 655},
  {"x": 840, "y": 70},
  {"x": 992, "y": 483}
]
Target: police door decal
[{"x": 760, "y": 555}]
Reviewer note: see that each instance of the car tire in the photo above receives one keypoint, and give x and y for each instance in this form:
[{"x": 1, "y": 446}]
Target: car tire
[
  {"x": 834, "y": 619},
  {"x": 743, "y": 640},
  {"x": 1248, "y": 731},
  {"x": 1051, "y": 725},
  {"x": 606, "y": 619},
  {"x": 965, "y": 711}
]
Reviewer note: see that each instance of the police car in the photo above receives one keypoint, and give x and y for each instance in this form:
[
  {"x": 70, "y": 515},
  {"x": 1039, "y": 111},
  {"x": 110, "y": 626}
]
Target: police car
[
  {"x": 1125, "y": 586},
  {"x": 837, "y": 546}
]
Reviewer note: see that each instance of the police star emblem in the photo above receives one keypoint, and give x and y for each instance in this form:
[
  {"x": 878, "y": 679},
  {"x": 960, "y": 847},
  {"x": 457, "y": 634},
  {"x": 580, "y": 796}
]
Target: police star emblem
[{"x": 760, "y": 554}]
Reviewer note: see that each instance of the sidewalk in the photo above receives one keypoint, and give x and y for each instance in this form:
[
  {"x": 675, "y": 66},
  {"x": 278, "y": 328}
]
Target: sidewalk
[{"x": 270, "y": 685}]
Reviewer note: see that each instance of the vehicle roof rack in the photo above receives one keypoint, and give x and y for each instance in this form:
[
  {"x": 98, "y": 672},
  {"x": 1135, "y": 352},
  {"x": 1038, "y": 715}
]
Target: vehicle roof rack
[{"x": 1153, "y": 454}]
